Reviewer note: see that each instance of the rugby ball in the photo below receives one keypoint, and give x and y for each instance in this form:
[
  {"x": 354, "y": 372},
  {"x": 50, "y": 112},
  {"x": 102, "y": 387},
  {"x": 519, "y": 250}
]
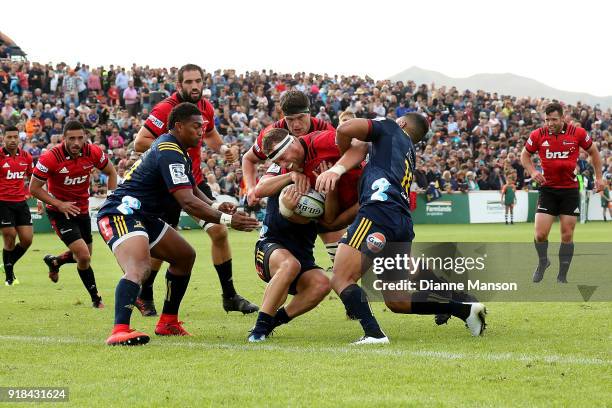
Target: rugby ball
[{"x": 311, "y": 204}]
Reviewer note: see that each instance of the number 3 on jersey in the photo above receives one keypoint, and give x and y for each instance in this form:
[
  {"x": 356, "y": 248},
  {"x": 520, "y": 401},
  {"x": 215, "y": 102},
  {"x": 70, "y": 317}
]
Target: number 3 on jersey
[{"x": 380, "y": 185}]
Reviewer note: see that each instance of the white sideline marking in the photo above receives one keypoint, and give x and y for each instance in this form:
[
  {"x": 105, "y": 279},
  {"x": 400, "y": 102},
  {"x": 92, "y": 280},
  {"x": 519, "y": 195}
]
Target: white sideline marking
[{"x": 439, "y": 355}]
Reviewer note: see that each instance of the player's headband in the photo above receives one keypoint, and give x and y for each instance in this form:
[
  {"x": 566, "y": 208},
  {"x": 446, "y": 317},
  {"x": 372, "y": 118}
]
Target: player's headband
[
  {"x": 295, "y": 110},
  {"x": 280, "y": 148}
]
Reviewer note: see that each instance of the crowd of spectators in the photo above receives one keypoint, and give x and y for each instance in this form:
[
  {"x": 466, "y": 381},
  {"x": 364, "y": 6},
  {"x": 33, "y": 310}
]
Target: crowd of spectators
[{"x": 475, "y": 143}]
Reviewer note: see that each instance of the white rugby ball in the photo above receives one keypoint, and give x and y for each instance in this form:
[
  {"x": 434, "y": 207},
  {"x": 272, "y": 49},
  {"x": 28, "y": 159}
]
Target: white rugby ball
[{"x": 310, "y": 205}]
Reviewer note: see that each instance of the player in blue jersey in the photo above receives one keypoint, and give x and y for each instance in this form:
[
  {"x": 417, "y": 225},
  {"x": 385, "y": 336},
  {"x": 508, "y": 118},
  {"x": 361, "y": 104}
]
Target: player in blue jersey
[
  {"x": 384, "y": 218},
  {"x": 284, "y": 252},
  {"x": 158, "y": 184}
]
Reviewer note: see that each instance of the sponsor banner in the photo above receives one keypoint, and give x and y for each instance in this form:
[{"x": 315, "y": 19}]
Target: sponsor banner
[
  {"x": 448, "y": 209},
  {"x": 487, "y": 206}
]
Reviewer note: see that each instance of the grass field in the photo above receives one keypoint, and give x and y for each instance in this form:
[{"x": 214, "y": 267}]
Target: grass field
[{"x": 533, "y": 354}]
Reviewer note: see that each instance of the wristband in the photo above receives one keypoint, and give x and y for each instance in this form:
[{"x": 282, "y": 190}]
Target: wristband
[
  {"x": 109, "y": 192},
  {"x": 338, "y": 169},
  {"x": 285, "y": 212},
  {"x": 226, "y": 220},
  {"x": 224, "y": 148},
  {"x": 215, "y": 205}
]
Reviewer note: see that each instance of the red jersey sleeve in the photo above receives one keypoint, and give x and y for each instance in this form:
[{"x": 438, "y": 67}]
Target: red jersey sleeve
[
  {"x": 533, "y": 142},
  {"x": 45, "y": 166},
  {"x": 156, "y": 123},
  {"x": 584, "y": 140},
  {"x": 98, "y": 158},
  {"x": 30, "y": 162},
  {"x": 208, "y": 113}
]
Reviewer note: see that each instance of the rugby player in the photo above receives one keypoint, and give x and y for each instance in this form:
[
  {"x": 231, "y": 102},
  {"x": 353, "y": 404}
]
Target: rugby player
[
  {"x": 284, "y": 253},
  {"x": 15, "y": 217},
  {"x": 383, "y": 218},
  {"x": 558, "y": 145},
  {"x": 159, "y": 184},
  {"x": 190, "y": 84},
  {"x": 295, "y": 107},
  {"x": 66, "y": 169}
]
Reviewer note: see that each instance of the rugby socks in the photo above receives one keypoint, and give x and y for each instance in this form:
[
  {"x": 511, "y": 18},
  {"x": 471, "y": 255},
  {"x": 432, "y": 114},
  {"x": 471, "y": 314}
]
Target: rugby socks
[
  {"x": 146, "y": 293},
  {"x": 542, "y": 249},
  {"x": 506, "y": 217},
  {"x": 566, "y": 253},
  {"x": 427, "y": 303},
  {"x": 281, "y": 317},
  {"x": 224, "y": 271},
  {"x": 511, "y": 216},
  {"x": 264, "y": 324},
  {"x": 176, "y": 286},
  {"x": 65, "y": 258},
  {"x": 89, "y": 281},
  {"x": 125, "y": 297},
  {"x": 8, "y": 265},
  {"x": 17, "y": 253},
  {"x": 331, "y": 248},
  {"x": 356, "y": 304}
]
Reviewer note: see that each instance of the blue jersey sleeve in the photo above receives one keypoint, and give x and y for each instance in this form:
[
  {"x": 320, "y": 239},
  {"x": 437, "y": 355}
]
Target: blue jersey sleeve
[{"x": 174, "y": 167}]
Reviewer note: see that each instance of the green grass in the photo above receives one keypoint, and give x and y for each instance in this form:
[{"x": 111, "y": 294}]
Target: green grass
[{"x": 533, "y": 354}]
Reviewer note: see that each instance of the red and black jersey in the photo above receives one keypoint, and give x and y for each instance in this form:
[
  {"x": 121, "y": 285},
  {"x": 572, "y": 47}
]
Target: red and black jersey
[
  {"x": 315, "y": 125},
  {"x": 67, "y": 177},
  {"x": 157, "y": 123},
  {"x": 321, "y": 147},
  {"x": 14, "y": 172},
  {"x": 559, "y": 153}
]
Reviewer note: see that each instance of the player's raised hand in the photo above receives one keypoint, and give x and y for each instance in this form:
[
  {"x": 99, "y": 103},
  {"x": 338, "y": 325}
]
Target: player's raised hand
[
  {"x": 242, "y": 222},
  {"x": 539, "y": 177},
  {"x": 227, "y": 208},
  {"x": 301, "y": 181},
  {"x": 69, "y": 209}
]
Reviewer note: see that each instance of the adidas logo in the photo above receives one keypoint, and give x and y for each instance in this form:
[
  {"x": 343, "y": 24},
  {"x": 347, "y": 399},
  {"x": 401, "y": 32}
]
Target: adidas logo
[
  {"x": 6, "y": 165},
  {"x": 63, "y": 170},
  {"x": 545, "y": 143},
  {"x": 577, "y": 210}
]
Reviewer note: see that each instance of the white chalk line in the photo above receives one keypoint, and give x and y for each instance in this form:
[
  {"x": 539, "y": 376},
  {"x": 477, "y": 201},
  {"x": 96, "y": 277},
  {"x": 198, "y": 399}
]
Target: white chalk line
[{"x": 367, "y": 350}]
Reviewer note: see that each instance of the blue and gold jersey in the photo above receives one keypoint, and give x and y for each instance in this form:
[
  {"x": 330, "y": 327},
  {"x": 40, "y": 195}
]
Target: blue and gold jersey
[
  {"x": 148, "y": 185},
  {"x": 387, "y": 176}
]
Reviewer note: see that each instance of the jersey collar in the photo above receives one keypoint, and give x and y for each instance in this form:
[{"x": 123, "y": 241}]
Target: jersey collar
[
  {"x": 563, "y": 130},
  {"x": 6, "y": 152}
]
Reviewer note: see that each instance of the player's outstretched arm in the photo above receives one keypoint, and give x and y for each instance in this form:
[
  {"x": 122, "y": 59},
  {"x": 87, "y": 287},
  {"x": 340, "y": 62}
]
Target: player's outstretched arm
[
  {"x": 199, "y": 209},
  {"x": 144, "y": 140},
  {"x": 270, "y": 185},
  {"x": 597, "y": 166},
  {"x": 352, "y": 129}
]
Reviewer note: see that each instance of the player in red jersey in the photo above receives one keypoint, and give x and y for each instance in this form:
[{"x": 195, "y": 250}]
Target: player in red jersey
[
  {"x": 15, "y": 218},
  {"x": 558, "y": 145},
  {"x": 190, "y": 84},
  {"x": 66, "y": 169},
  {"x": 295, "y": 107}
]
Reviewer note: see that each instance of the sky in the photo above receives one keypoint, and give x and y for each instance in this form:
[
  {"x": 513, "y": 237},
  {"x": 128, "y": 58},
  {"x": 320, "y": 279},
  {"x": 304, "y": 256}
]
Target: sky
[{"x": 562, "y": 44}]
